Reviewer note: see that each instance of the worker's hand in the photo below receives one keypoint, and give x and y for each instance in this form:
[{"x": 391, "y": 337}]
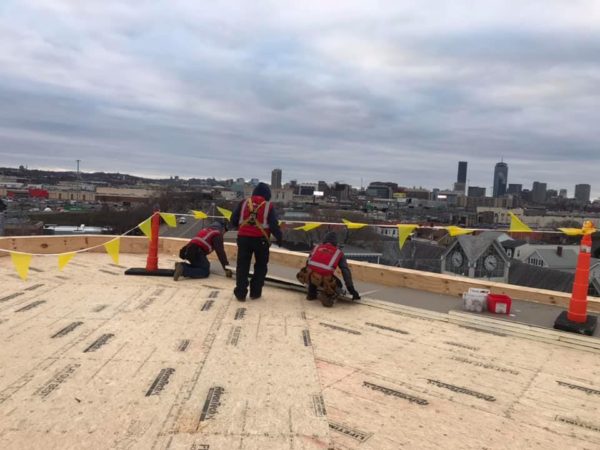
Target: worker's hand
[
  {"x": 279, "y": 242},
  {"x": 355, "y": 294},
  {"x": 228, "y": 273}
]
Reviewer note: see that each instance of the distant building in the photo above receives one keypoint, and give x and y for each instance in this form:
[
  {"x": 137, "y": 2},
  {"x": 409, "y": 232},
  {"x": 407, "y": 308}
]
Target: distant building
[
  {"x": 500, "y": 179},
  {"x": 563, "y": 193},
  {"x": 514, "y": 189},
  {"x": 323, "y": 187},
  {"x": 283, "y": 195},
  {"x": 276, "y": 179},
  {"x": 75, "y": 195},
  {"x": 461, "y": 178},
  {"x": 307, "y": 188},
  {"x": 420, "y": 193},
  {"x": 582, "y": 193},
  {"x": 341, "y": 191},
  {"x": 379, "y": 190},
  {"x": 124, "y": 195},
  {"x": 480, "y": 256},
  {"x": 554, "y": 258},
  {"x": 551, "y": 194},
  {"x": 476, "y": 191},
  {"x": 538, "y": 192}
]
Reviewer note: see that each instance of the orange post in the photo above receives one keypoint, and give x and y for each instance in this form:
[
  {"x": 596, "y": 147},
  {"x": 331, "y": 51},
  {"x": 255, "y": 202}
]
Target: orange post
[
  {"x": 152, "y": 260},
  {"x": 578, "y": 304}
]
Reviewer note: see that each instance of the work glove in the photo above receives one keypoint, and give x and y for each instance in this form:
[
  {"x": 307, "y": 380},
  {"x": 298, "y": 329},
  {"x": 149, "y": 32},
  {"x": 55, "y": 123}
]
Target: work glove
[
  {"x": 228, "y": 273},
  {"x": 355, "y": 295}
]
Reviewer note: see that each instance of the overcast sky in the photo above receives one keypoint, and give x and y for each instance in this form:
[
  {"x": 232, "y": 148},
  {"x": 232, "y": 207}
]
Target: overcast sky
[{"x": 391, "y": 91}]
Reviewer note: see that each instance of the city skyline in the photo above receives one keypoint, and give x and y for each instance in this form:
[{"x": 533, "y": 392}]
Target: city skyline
[
  {"x": 234, "y": 90},
  {"x": 276, "y": 175}
]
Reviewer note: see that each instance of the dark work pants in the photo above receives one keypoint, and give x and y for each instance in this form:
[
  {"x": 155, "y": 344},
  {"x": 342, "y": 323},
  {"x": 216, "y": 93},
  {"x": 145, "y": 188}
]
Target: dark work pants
[
  {"x": 247, "y": 247},
  {"x": 198, "y": 266}
]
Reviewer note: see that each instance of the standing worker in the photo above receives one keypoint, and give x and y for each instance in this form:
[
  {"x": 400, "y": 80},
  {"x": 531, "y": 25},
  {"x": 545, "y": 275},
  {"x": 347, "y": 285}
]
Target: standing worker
[
  {"x": 320, "y": 269},
  {"x": 255, "y": 219},
  {"x": 195, "y": 251}
]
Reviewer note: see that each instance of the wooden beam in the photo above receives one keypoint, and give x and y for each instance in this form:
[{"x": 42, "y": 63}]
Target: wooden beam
[{"x": 362, "y": 271}]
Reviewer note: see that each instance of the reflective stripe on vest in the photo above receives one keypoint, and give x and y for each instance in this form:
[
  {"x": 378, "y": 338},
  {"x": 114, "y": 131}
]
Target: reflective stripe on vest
[
  {"x": 329, "y": 266},
  {"x": 205, "y": 240}
]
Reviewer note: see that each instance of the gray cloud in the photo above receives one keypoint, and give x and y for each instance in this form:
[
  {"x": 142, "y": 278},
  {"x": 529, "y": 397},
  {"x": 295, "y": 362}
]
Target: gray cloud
[{"x": 334, "y": 92}]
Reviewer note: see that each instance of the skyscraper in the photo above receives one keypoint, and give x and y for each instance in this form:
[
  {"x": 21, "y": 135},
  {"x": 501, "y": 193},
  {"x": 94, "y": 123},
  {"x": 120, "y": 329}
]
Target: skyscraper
[
  {"x": 514, "y": 189},
  {"x": 582, "y": 193},
  {"x": 538, "y": 192},
  {"x": 500, "y": 179},
  {"x": 461, "y": 178},
  {"x": 276, "y": 179}
]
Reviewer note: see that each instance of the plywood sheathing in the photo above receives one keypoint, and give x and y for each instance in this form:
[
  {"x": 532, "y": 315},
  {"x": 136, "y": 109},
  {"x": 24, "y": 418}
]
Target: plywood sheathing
[{"x": 184, "y": 365}]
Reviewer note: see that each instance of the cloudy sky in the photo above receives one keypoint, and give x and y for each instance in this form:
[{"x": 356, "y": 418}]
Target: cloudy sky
[{"x": 325, "y": 90}]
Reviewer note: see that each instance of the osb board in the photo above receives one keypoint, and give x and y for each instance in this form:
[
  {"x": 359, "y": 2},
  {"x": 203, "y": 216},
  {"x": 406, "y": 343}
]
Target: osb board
[{"x": 96, "y": 359}]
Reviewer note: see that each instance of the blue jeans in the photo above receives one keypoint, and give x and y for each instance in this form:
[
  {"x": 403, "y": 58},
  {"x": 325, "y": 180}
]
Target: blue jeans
[{"x": 198, "y": 266}]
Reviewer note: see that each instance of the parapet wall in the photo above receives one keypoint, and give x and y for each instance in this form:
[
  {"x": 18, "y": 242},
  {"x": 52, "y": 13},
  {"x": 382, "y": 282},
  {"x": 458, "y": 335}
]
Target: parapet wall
[{"x": 362, "y": 271}]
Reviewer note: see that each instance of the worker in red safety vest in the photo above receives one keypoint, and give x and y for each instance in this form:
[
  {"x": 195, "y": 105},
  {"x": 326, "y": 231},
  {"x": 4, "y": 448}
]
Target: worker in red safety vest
[
  {"x": 256, "y": 220},
  {"x": 320, "y": 272},
  {"x": 207, "y": 240}
]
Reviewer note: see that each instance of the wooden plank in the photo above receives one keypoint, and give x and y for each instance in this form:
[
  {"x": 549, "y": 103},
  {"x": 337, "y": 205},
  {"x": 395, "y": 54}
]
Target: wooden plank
[{"x": 362, "y": 271}]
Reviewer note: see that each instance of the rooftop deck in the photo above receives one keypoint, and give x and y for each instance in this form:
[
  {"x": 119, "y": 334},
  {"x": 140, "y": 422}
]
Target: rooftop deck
[{"x": 95, "y": 359}]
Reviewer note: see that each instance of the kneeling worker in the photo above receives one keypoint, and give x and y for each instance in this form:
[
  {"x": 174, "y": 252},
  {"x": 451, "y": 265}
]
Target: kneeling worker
[
  {"x": 319, "y": 272},
  {"x": 195, "y": 251}
]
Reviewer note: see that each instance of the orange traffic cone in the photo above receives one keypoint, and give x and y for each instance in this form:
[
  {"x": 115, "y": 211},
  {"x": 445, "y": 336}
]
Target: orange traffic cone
[
  {"x": 576, "y": 319},
  {"x": 152, "y": 259}
]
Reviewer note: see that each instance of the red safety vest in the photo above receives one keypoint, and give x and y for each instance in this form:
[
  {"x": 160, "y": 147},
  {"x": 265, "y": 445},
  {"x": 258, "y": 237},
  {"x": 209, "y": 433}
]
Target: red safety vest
[
  {"x": 324, "y": 259},
  {"x": 204, "y": 239},
  {"x": 254, "y": 217}
]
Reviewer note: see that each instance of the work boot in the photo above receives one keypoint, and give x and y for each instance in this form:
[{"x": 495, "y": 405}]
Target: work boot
[
  {"x": 327, "y": 300},
  {"x": 240, "y": 297},
  {"x": 311, "y": 297},
  {"x": 178, "y": 271}
]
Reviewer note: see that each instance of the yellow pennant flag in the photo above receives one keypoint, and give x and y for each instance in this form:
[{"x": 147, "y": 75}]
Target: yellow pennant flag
[
  {"x": 225, "y": 212},
  {"x": 199, "y": 214},
  {"x": 572, "y": 231},
  {"x": 403, "y": 232},
  {"x": 112, "y": 248},
  {"x": 457, "y": 231},
  {"x": 170, "y": 219},
  {"x": 21, "y": 262},
  {"x": 63, "y": 259},
  {"x": 146, "y": 227},
  {"x": 517, "y": 225},
  {"x": 353, "y": 225},
  {"x": 579, "y": 231},
  {"x": 308, "y": 226}
]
